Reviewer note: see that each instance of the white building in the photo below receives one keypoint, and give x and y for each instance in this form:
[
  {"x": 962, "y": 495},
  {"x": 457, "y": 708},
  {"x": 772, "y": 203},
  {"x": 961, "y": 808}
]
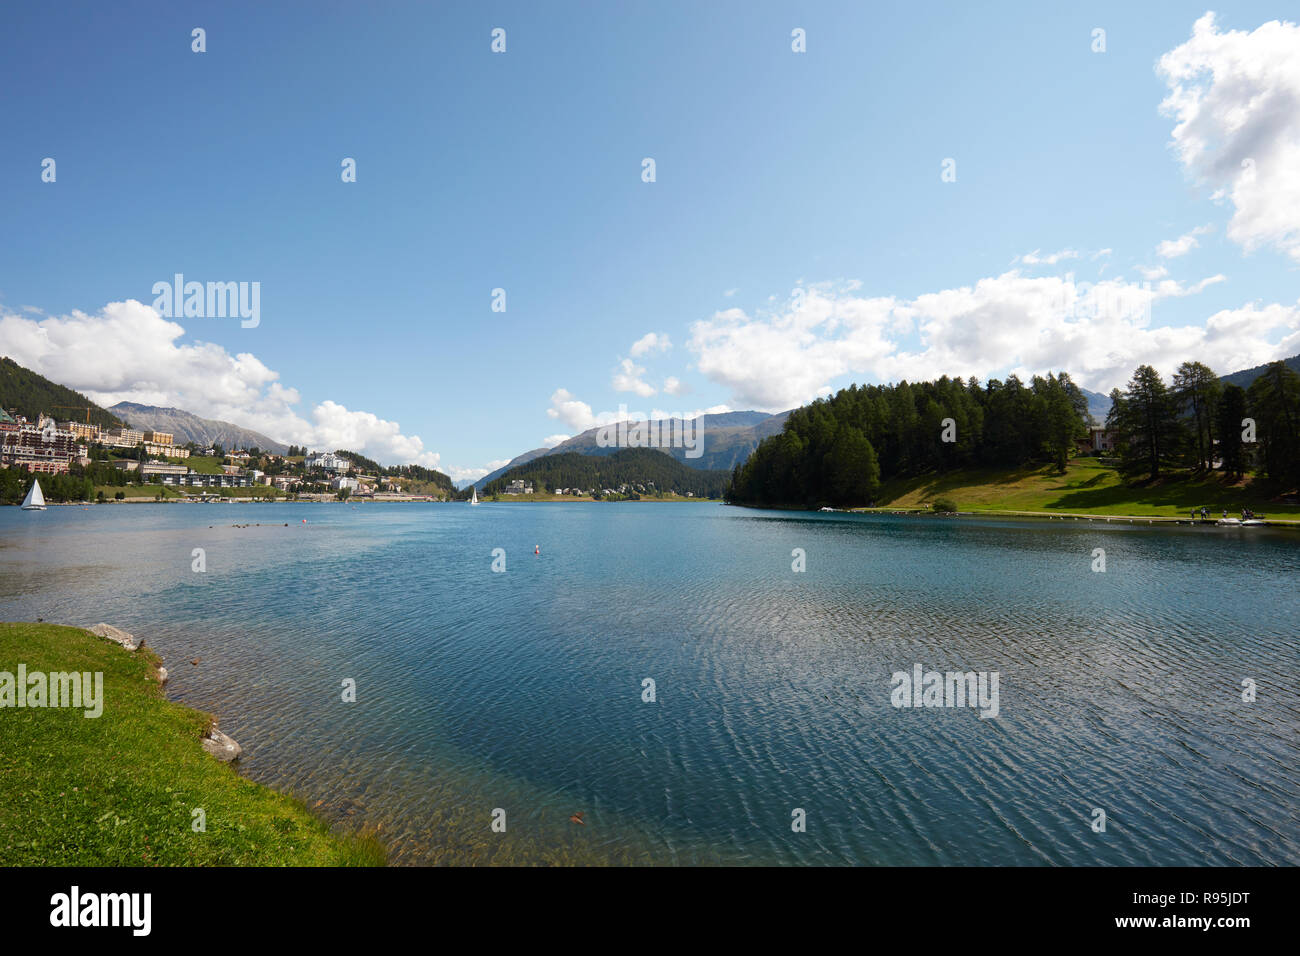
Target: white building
[{"x": 329, "y": 462}]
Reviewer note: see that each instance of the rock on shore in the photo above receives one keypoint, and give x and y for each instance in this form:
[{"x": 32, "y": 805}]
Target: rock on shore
[
  {"x": 216, "y": 743},
  {"x": 115, "y": 634},
  {"x": 222, "y": 747}
]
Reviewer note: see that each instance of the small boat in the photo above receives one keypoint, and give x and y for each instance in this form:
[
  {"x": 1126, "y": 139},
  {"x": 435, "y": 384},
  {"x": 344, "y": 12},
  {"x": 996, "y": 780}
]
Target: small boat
[
  {"x": 35, "y": 500},
  {"x": 473, "y": 494},
  {"x": 1229, "y": 522},
  {"x": 827, "y": 509},
  {"x": 1253, "y": 521}
]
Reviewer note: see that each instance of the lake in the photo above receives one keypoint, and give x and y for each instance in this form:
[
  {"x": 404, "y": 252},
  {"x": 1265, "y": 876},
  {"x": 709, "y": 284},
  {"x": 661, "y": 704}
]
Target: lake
[{"x": 525, "y": 690}]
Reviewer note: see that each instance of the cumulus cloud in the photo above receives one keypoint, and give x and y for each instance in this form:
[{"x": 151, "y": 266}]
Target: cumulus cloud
[
  {"x": 576, "y": 414},
  {"x": 1099, "y": 332},
  {"x": 675, "y": 386},
  {"x": 1235, "y": 97},
  {"x": 650, "y": 342},
  {"x": 128, "y": 352},
  {"x": 1173, "y": 248},
  {"x": 628, "y": 379}
]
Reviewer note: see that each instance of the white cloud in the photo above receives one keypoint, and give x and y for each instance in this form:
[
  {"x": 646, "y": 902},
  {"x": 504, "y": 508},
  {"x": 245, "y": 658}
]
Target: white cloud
[
  {"x": 675, "y": 386},
  {"x": 1173, "y": 248},
  {"x": 550, "y": 441},
  {"x": 1235, "y": 97},
  {"x": 1099, "y": 332},
  {"x": 576, "y": 414},
  {"x": 730, "y": 292},
  {"x": 128, "y": 352},
  {"x": 650, "y": 342},
  {"x": 1152, "y": 273},
  {"x": 628, "y": 379},
  {"x": 1036, "y": 258}
]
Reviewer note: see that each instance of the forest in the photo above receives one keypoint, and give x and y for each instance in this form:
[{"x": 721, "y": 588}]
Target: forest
[
  {"x": 630, "y": 466},
  {"x": 839, "y": 450}
]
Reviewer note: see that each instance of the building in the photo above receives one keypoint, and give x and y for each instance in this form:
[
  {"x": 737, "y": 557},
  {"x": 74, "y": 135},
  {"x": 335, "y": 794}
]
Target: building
[
  {"x": 123, "y": 437},
  {"x": 42, "y": 447},
  {"x": 342, "y": 483},
  {"x": 1102, "y": 440},
  {"x": 166, "y": 451},
  {"x": 517, "y": 487},
  {"x": 193, "y": 479},
  {"x": 329, "y": 461},
  {"x": 83, "y": 431},
  {"x": 158, "y": 438}
]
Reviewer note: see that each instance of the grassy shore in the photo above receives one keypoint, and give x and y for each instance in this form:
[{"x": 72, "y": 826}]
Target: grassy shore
[
  {"x": 1087, "y": 487},
  {"x": 121, "y": 789}
]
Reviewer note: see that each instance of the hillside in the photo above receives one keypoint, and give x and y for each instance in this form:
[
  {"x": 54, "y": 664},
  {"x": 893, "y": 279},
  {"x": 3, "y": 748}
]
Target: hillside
[
  {"x": 30, "y": 394},
  {"x": 1245, "y": 377},
  {"x": 1087, "y": 487},
  {"x": 727, "y": 439},
  {"x": 630, "y": 466},
  {"x": 187, "y": 427}
]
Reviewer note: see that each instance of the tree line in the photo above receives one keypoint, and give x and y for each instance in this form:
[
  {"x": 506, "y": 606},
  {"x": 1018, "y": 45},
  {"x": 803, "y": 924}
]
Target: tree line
[
  {"x": 1200, "y": 423},
  {"x": 838, "y": 450},
  {"x": 628, "y": 466}
]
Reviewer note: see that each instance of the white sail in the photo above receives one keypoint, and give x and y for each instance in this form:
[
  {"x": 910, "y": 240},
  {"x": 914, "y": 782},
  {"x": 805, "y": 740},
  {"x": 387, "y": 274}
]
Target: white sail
[
  {"x": 35, "y": 500},
  {"x": 474, "y": 491}
]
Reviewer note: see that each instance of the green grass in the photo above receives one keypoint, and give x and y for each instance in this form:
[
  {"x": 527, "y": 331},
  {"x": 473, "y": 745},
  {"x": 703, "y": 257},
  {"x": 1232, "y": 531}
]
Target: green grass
[
  {"x": 120, "y": 789},
  {"x": 1087, "y": 487},
  {"x": 204, "y": 465}
]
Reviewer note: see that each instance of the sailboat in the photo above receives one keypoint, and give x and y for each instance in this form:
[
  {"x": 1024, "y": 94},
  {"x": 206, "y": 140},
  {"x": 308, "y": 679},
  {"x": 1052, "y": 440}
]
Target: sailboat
[
  {"x": 473, "y": 494},
  {"x": 35, "y": 501}
]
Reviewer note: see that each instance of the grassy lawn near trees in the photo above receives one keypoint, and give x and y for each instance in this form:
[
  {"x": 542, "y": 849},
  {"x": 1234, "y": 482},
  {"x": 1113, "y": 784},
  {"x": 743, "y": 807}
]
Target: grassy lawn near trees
[{"x": 1087, "y": 486}]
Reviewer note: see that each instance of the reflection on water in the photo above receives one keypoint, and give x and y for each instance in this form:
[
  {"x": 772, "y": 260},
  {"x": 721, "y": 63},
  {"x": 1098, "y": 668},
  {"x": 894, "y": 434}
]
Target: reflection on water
[{"x": 523, "y": 690}]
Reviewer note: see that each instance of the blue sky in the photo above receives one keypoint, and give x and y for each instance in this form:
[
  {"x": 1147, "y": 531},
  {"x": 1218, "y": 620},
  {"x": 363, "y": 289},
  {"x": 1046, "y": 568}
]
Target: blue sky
[{"x": 776, "y": 171}]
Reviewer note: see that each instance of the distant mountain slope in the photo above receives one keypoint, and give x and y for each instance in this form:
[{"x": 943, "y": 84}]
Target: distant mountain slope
[
  {"x": 185, "y": 427},
  {"x": 512, "y": 463},
  {"x": 1098, "y": 405},
  {"x": 30, "y": 394},
  {"x": 726, "y": 440},
  {"x": 1246, "y": 376},
  {"x": 630, "y": 466}
]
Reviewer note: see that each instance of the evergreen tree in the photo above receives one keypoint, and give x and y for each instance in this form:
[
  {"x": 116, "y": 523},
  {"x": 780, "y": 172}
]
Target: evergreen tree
[{"x": 1231, "y": 411}]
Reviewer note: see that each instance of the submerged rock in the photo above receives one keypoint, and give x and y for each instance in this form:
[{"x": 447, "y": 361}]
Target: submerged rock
[
  {"x": 115, "y": 634},
  {"x": 220, "y": 746}
]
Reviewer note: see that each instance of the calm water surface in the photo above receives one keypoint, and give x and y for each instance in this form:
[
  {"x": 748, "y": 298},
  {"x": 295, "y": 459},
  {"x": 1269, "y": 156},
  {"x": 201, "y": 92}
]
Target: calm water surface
[{"x": 523, "y": 690}]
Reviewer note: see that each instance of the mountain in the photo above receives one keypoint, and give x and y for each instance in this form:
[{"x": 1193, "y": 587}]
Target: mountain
[
  {"x": 30, "y": 394},
  {"x": 186, "y": 427},
  {"x": 1098, "y": 405},
  {"x": 512, "y": 463},
  {"x": 726, "y": 440},
  {"x": 1246, "y": 376},
  {"x": 629, "y": 466}
]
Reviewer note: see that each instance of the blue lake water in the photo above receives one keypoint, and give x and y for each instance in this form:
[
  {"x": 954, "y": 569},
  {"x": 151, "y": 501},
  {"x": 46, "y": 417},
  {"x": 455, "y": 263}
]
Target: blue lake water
[{"x": 522, "y": 690}]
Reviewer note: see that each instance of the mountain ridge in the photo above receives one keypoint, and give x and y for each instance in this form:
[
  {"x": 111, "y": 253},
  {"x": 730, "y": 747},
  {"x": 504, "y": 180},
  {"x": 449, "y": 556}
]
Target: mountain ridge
[{"x": 186, "y": 427}]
